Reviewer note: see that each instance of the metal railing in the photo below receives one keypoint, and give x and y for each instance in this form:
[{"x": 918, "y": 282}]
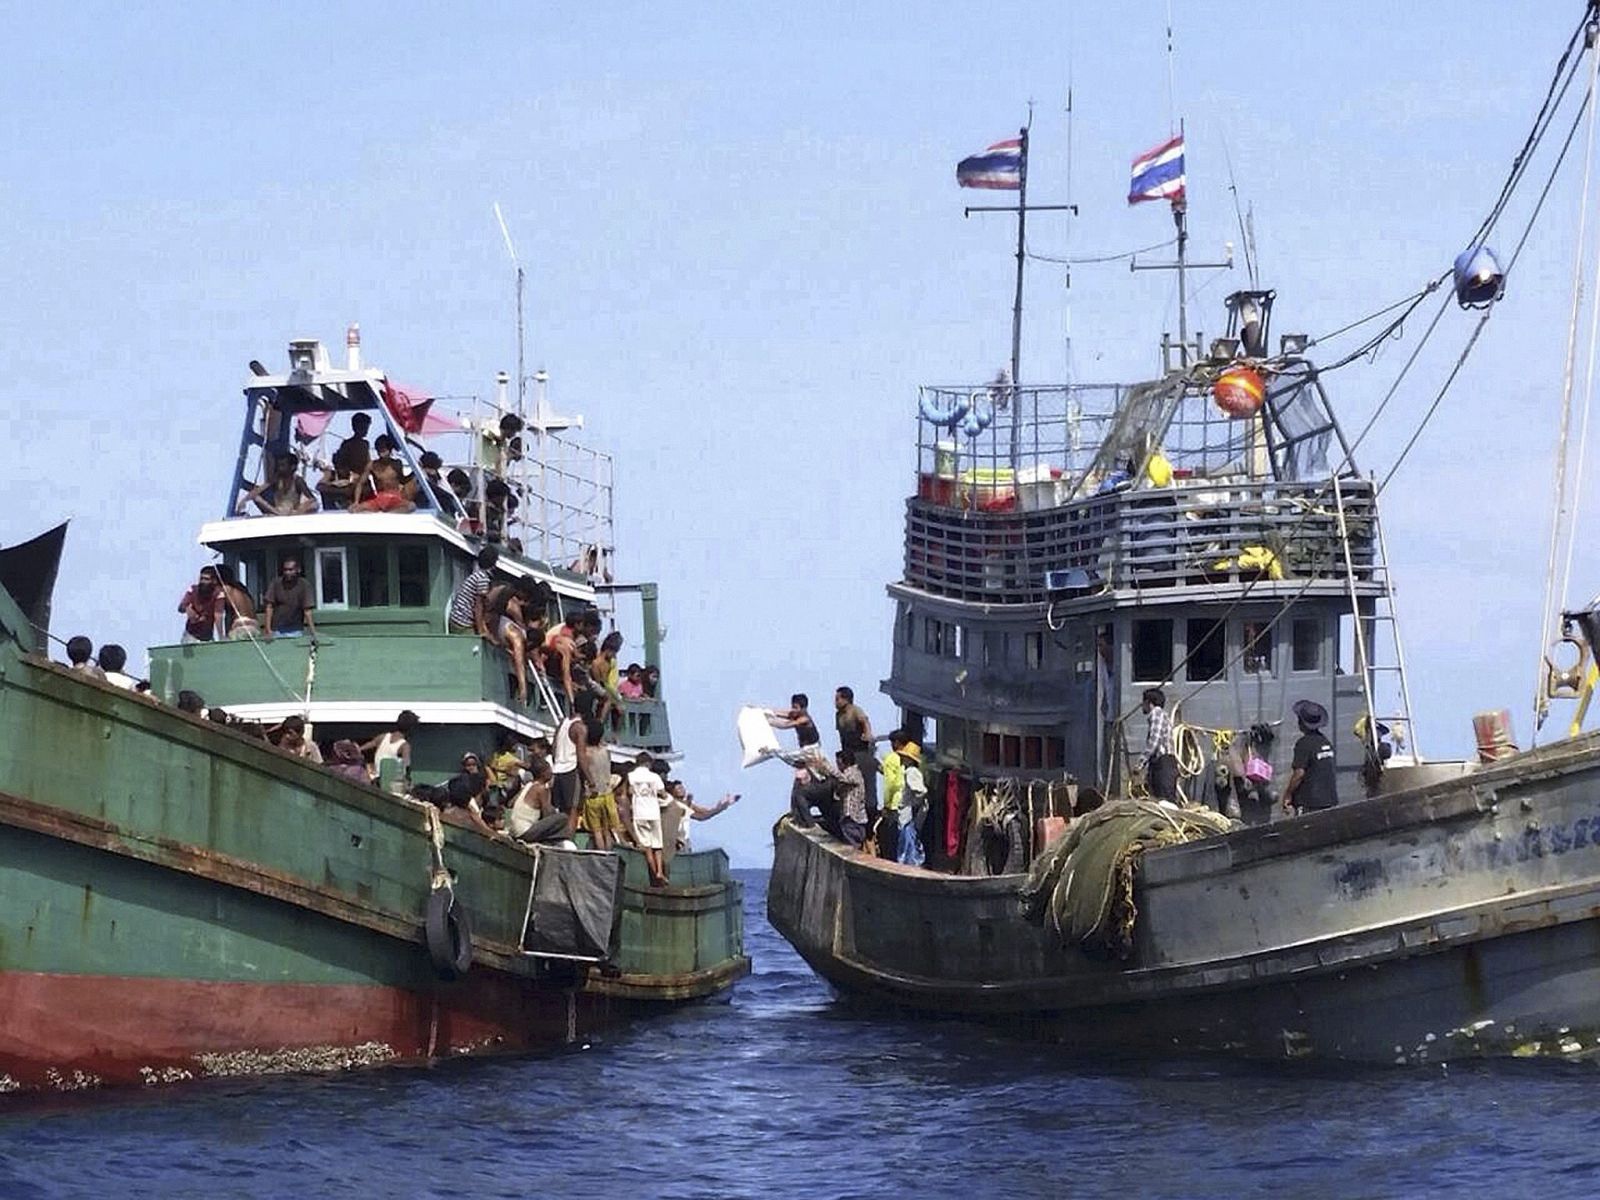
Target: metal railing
[{"x": 1193, "y": 533}]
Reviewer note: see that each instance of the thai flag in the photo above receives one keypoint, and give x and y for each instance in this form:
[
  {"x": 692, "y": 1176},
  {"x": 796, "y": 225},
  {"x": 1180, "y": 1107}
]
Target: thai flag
[
  {"x": 1158, "y": 173},
  {"x": 1000, "y": 166}
]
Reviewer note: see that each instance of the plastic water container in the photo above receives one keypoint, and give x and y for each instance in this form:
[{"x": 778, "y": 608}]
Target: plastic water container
[
  {"x": 988, "y": 487},
  {"x": 944, "y": 460}
]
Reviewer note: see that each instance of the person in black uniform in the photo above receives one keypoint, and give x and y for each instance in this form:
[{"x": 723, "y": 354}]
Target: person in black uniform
[{"x": 1311, "y": 784}]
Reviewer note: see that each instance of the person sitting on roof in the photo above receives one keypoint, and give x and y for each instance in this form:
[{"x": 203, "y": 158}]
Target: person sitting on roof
[
  {"x": 385, "y": 478},
  {"x": 193, "y": 703},
  {"x": 460, "y": 485},
  {"x": 338, "y": 485},
  {"x": 430, "y": 468},
  {"x": 80, "y": 656},
  {"x": 284, "y": 493},
  {"x": 113, "y": 658}
]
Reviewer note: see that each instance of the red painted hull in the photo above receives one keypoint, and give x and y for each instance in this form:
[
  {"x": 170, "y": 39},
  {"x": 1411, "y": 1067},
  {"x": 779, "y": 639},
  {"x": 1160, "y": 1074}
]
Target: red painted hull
[{"x": 66, "y": 1032}]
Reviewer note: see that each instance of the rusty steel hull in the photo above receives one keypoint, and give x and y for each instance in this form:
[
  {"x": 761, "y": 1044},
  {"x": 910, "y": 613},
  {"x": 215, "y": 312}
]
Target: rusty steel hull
[
  {"x": 1457, "y": 920},
  {"x": 180, "y": 900}
]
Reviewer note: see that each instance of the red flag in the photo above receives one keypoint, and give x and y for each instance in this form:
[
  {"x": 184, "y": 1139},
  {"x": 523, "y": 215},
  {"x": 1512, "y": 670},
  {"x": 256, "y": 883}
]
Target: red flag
[{"x": 413, "y": 411}]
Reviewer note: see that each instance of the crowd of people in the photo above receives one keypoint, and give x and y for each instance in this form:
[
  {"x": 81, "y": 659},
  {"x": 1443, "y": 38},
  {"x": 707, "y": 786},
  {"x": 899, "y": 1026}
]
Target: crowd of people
[
  {"x": 369, "y": 476},
  {"x": 569, "y": 653},
  {"x": 534, "y": 790},
  {"x": 550, "y": 790},
  {"x": 841, "y": 792}
]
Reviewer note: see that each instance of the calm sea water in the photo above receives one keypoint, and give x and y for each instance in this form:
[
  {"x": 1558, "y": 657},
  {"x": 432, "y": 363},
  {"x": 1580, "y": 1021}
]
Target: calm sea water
[{"x": 785, "y": 1091}]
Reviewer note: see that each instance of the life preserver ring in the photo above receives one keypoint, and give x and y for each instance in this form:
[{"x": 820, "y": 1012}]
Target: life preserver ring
[{"x": 449, "y": 934}]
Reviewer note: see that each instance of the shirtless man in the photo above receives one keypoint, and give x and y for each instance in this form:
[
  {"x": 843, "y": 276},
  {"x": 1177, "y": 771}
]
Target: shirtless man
[
  {"x": 385, "y": 476},
  {"x": 284, "y": 494}
]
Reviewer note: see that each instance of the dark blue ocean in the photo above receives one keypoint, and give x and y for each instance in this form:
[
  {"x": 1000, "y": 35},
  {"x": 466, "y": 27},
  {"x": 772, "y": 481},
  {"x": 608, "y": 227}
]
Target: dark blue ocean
[{"x": 783, "y": 1091}]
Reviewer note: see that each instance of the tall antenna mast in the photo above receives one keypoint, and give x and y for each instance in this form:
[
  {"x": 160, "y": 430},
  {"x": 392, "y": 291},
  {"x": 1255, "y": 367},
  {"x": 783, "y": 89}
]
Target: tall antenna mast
[{"x": 522, "y": 371}]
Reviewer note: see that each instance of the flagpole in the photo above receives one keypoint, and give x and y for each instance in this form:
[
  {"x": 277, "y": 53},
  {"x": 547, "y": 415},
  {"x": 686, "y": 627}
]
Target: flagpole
[
  {"x": 1180, "y": 213},
  {"x": 1016, "y": 307}
]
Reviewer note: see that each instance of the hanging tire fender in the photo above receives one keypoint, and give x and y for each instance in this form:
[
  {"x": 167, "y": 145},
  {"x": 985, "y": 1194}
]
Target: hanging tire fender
[{"x": 449, "y": 934}]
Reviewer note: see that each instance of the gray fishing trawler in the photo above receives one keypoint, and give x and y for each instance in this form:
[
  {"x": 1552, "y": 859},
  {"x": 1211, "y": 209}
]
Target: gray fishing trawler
[{"x": 1206, "y": 535}]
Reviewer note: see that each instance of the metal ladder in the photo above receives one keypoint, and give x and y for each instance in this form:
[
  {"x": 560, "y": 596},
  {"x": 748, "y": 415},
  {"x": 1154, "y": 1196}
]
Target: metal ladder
[
  {"x": 1371, "y": 663},
  {"x": 547, "y": 693}
]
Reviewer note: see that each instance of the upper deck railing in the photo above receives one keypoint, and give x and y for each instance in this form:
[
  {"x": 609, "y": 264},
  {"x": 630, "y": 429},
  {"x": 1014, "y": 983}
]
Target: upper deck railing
[
  {"x": 1194, "y": 533},
  {"x": 1147, "y": 485}
]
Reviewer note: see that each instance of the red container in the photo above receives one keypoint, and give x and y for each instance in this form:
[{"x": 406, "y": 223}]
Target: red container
[
  {"x": 1047, "y": 830},
  {"x": 936, "y": 489}
]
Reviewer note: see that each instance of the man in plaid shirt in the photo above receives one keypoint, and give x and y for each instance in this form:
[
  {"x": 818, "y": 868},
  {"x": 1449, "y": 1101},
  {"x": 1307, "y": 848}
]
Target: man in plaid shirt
[{"x": 1158, "y": 763}]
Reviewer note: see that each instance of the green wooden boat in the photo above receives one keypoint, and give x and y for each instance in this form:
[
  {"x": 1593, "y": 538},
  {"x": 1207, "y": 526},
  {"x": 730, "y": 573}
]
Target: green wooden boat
[{"x": 184, "y": 900}]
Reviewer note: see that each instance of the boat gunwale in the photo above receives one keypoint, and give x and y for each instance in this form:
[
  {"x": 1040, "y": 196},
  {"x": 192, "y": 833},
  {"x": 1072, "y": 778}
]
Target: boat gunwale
[
  {"x": 1418, "y": 807},
  {"x": 1119, "y": 983}
]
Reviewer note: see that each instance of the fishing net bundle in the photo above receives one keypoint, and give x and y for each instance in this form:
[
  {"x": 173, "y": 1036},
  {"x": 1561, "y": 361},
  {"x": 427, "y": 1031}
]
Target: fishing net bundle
[{"x": 1081, "y": 886}]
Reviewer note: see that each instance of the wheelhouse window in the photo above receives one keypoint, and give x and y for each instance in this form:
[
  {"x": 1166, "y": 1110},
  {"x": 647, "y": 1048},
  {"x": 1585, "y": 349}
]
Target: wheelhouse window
[
  {"x": 1306, "y": 650},
  {"x": 1257, "y": 641},
  {"x": 1152, "y": 651},
  {"x": 1033, "y": 650},
  {"x": 1208, "y": 650},
  {"x": 996, "y": 648},
  {"x": 412, "y": 576},
  {"x": 332, "y": 589},
  {"x": 372, "y": 576}
]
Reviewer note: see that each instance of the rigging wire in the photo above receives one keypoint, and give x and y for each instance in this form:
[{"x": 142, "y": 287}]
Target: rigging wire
[
  {"x": 1100, "y": 258},
  {"x": 1558, "y": 515},
  {"x": 1541, "y": 122},
  {"x": 1293, "y": 598},
  {"x": 1373, "y": 316}
]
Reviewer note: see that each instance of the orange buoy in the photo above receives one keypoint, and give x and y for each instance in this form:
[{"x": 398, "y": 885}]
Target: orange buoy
[{"x": 1239, "y": 392}]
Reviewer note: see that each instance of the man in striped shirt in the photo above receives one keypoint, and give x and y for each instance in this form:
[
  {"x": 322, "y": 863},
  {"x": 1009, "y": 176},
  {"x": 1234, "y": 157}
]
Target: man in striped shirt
[
  {"x": 1158, "y": 762},
  {"x": 466, "y": 603}
]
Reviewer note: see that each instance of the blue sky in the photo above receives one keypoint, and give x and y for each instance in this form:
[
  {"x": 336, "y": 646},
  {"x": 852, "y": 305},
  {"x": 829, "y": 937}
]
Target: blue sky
[{"x": 745, "y": 250}]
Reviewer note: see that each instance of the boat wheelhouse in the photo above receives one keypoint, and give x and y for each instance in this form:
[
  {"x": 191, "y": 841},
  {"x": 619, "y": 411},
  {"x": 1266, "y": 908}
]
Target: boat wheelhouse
[
  {"x": 1070, "y": 546},
  {"x": 382, "y": 581}
]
